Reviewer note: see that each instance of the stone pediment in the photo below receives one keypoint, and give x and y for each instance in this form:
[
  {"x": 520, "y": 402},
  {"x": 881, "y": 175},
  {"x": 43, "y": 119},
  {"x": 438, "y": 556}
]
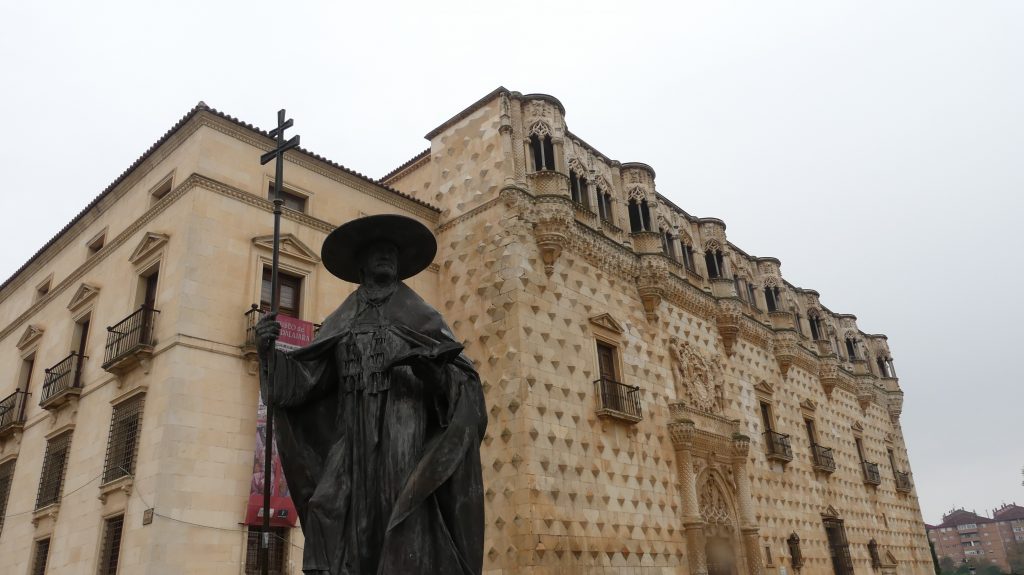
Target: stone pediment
[
  {"x": 857, "y": 427},
  {"x": 607, "y": 322},
  {"x": 149, "y": 244},
  {"x": 84, "y": 294},
  {"x": 830, "y": 512},
  {"x": 808, "y": 405},
  {"x": 31, "y": 335},
  {"x": 290, "y": 245},
  {"x": 763, "y": 387}
]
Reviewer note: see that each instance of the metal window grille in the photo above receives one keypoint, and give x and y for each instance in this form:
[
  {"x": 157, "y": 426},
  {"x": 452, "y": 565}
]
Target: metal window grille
[
  {"x": 6, "y": 476},
  {"x": 55, "y": 461},
  {"x": 42, "y": 552},
  {"x": 123, "y": 443},
  {"x": 278, "y": 546},
  {"x": 110, "y": 552}
]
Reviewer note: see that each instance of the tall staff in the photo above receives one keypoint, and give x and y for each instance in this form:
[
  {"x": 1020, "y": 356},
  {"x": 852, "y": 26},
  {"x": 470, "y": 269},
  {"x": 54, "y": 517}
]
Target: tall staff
[{"x": 275, "y": 294}]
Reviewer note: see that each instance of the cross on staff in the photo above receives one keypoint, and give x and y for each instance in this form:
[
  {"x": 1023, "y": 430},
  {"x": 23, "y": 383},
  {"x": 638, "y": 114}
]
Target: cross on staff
[{"x": 275, "y": 291}]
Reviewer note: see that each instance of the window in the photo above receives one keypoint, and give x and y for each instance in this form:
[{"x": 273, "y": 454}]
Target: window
[
  {"x": 55, "y": 461},
  {"x": 543, "y": 152},
  {"x": 771, "y": 298},
  {"x": 43, "y": 289},
  {"x": 639, "y": 216},
  {"x": 278, "y": 546},
  {"x": 668, "y": 242},
  {"x": 604, "y": 206},
  {"x": 40, "y": 555},
  {"x": 715, "y": 262},
  {"x": 288, "y": 300},
  {"x": 161, "y": 190},
  {"x": 6, "y": 477},
  {"x": 96, "y": 244},
  {"x": 736, "y": 286},
  {"x": 751, "y": 295},
  {"x": 292, "y": 200},
  {"x": 606, "y": 364},
  {"x": 28, "y": 365},
  {"x": 851, "y": 348},
  {"x": 110, "y": 551},
  {"x": 688, "y": 256},
  {"x": 798, "y": 322},
  {"x": 766, "y": 416},
  {"x": 578, "y": 189},
  {"x": 811, "y": 435},
  {"x": 123, "y": 442},
  {"x": 815, "y": 321},
  {"x": 892, "y": 459},
  {"x": 860, "y": 448}
]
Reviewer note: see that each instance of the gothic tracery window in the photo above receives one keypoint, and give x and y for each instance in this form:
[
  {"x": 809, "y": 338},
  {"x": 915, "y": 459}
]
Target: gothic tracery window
[
  {"x": 579, "y": 189},
  {"x": 714, "y": 259},
  {"x": 541, "y": 147},
  {"x": 814, "y": 319}
]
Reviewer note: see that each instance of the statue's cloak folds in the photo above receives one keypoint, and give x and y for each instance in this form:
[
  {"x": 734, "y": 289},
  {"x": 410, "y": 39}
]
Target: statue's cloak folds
[{"x": 436, "y": 507}]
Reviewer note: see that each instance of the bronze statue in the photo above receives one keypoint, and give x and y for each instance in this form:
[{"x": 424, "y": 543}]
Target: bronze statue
[{"x": 380, "y": 419}]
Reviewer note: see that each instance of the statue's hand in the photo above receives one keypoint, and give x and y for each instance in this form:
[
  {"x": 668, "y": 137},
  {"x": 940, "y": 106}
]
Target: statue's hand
[{"x": 267, "y": 331}]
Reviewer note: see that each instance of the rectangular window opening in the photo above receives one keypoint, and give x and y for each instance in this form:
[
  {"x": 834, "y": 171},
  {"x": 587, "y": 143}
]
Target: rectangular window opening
[
  {"x": 39, "y": 556},
  {"x": 161, "y": 190},
  {"x": 766, "y": 416},
  {"x": 606, "y": 361},
  {"x": 55, "y": 461},
  {"x": 277, "y": 550},
  {"x": 28, "y": 365},
  {"x": 292, "y": 200},
  {"x": 96, "y": 244},
  {"x": 43, "y": 289},
  {"x": 123, "y": 441},
  {"x": 289, "y": 298},
  {"x": 110, "y": 551},
  {"x": 6, "y": 477}
]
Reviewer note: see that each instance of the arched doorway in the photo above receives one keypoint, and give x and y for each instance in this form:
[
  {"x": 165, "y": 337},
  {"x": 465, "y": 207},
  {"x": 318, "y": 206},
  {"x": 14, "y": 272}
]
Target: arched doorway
[{"x": 722, "y": 548}]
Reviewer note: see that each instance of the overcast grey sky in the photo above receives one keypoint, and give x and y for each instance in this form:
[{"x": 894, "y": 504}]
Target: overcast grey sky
[{"x": 873, "y": 147}]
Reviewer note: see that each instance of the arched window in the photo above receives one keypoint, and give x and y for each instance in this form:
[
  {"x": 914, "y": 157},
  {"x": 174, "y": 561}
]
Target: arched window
[
  {"x": 797, "y": 321},
  {"x": 578, "y": 189},
  {"x": 772, "y": 298},
  {"x": 815, "y": 320},
  {"x": 687, "y": 251},
  {"x": 668, "y": 243},
  {"x": 715, "y": 261},
  {"x": 604, "y": 205},
  {"x": 542, "y": 149},
  {"x": 639, "y": 216},
  {"x": 851, "y": 347}
]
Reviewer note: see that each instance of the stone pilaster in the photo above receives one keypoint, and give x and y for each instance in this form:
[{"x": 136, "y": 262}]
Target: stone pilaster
[
  {"x": 682, "y": 438},
  {"x": 748, "y": 524}
]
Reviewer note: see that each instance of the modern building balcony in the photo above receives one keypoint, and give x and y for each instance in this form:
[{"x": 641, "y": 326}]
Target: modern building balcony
[
  {"x": 903, "y": 484},
  {"x": 12, "y": 413},
  {"x": 62, "y": 381},
  {"x": 823, "y": 459},
  {"x": 130, "y": 341},
  {"x": 618, "y": 400},
  {"x": 871, "y": 474},
  {"x": 777, "y": 446}
]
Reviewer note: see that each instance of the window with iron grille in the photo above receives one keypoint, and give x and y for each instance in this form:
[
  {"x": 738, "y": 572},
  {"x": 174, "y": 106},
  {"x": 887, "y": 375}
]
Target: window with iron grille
[
  {"x": 6, "y": 476},
  {"x": 278, "y": 546},
  {"x": 42, "y": 553},
  {"x": 110, "y": 551},
  {"x": 55, "y": 462},
  {"x": 123, "y": 443}
]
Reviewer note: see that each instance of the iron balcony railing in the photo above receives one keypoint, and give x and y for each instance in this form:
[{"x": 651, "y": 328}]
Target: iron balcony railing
[
  {"x": 12, "y": 411},
  {"x": 618, "y": 399},
  {"x": 902, "y": 481},
  {"x": 61, "y": 378},
  {"x": 129, "y": 335},
  {"x": 777, "y": 446},
  {"x": 823, "y": 460},
  {"x": 871, "y": 474}
]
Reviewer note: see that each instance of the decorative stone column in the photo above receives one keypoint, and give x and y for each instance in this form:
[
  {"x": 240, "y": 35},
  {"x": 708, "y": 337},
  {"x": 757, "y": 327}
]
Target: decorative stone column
[
  {"x": 748, "y": 525},
  {"x": 682, "y": 432},
  {"x": 506, "y": 140}
]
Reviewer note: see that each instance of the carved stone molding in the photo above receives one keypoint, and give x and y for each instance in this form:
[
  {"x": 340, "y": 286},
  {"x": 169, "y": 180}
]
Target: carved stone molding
[
  {"x": 698, "y": 377},
  {"x": 828, "y": 373},
  {"x": 785, "y": 349},
  {"x": 729, "y": 317},
  {"x": 651, "y": 282}
]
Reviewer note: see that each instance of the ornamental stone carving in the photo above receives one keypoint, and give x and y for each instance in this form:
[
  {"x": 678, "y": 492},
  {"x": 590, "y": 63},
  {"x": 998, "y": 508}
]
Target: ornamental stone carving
[
  {"x": 729, "y": 316},
  {"x": 698, "y": 378},
  {"x": 714, "y": 507},
  {"x": 785, "y": 349}
]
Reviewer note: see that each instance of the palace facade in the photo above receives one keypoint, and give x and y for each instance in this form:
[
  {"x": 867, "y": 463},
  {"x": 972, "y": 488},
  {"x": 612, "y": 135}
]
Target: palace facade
[{"x": 660, "y": 400}]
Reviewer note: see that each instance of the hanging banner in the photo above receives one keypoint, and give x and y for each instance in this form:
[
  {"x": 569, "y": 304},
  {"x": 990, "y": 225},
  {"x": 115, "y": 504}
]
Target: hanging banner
[{"x": 295, "y": 333}]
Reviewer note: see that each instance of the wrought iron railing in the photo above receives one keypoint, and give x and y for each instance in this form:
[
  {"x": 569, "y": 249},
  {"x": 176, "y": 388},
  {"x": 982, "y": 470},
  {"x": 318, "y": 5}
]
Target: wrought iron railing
[
  {"x": 902, "y": 481},
  {"x": 252, "y": 317},
  {"x": 67, "y": 374},
  {"x": 777, "y": 445},
  {"x": 823, "y": 459},
  {"x": 619, "y": 398},
  {"x": 129, "y": 335},
  {"x": 12, "y": 410},
  {"x": 871, "y": 474}
]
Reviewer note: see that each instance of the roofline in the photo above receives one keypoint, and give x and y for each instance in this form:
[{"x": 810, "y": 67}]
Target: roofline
[
  {"x": 195, "y": 111},
  {"x": 466, "y": 112},
  {"x": 407, "y": 164}
]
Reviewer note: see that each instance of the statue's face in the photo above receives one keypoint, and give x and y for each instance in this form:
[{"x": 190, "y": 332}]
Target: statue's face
[{"x": 380, "y": 262}]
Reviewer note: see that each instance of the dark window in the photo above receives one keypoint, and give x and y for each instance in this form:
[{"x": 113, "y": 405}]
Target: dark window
[
  {"x": 278, "y": 546},
  {"x": 892, "y": 459},
  {"x": 584, "y": 193},
  {"x": 160, "y": 191},
  {"x": 574, "y": 187},
  {"x": 839, "y": 548},
  {"x": 669, "y": 243},
  {"x": 28, "y": 365},
  {"x": 883, "y": 369},
  {"x": 751, "y": 295},
  {"x": 766, "y": 416},
  {"x": 43, "y": 289},
  {"x": 860, "y": 448},
  {"x": 291, "y": 291},
  {"x": 543, "y": 152},
  {"x": 715, "y": 262},
  {"x": 606, "y": 361},
  {"x": 639, "y": 216},
  {"x": 815, "y": 321},
  {"x": 811, "y": 436},
  {"x": 292, "y": 200},
  {"x": 55, "y": 462},
  {"x": 736, "y": 286},
  {"x": 40, "y": 555},
  {"x": 771, "y": 298},
  {"x": 798, "y": 322},
  {"x": 6, "y": 477},
  {"x": 123, "y": 443},
  {"x": 96, "y": 244},
  {"x": 110, "y": 551},
  {"x": 604, "y": 206},
  {"x": 851, "y": 348},
  {"x": 82, "y": 336},
  {"x": 688, "y": 257}
]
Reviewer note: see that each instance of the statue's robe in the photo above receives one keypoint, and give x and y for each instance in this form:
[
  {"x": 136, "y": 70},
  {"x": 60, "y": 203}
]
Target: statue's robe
[{"x": 383, "y": 467}]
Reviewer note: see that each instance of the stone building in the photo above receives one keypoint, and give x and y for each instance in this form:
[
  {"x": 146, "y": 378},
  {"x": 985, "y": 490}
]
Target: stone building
[
  {"x": 660, "y": 400},
  {"x": 964, "y": 535}
]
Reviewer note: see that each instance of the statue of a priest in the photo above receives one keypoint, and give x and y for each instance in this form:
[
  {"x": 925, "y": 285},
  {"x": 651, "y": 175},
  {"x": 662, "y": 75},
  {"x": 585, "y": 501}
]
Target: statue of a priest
[{"x": 379, "y": 420}]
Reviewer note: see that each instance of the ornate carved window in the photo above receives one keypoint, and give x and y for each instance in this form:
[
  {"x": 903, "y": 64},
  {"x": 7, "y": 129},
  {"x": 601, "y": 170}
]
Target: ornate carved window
[
  {"x": 579, "y": 189},
  {"x": 772, "y": 297},
  {"x": 639, "y": 215},
  {"x": 814, "y": 319},
  {"x": 714, "y": 259},
  {"x": 851, "y": 347},
  {"x": 604, "y": 205},
  {"x": 687, "y": 251},
  {"x": 668, "y": 243},
  {"x": 541, "y": 147}
]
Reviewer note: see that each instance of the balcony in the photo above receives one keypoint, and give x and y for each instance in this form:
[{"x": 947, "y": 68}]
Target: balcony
[
  {"x": 777, "y": 446},
  {"x": 12, "y": 413},
  {"x": 903, "y": 484},
  {"x": 871, "y": 474},
  {"x": 130, "y": 341},
  {"x": 62, "y": 381},
  {"x": 618, "y": 400},
  {"x": 823, "y": 460},
  {"x": 252, "y": 317}
]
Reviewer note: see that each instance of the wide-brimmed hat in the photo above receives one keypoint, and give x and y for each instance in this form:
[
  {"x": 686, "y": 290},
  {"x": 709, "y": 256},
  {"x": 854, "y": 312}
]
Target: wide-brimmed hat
[{"x": 416, "y": 245}]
